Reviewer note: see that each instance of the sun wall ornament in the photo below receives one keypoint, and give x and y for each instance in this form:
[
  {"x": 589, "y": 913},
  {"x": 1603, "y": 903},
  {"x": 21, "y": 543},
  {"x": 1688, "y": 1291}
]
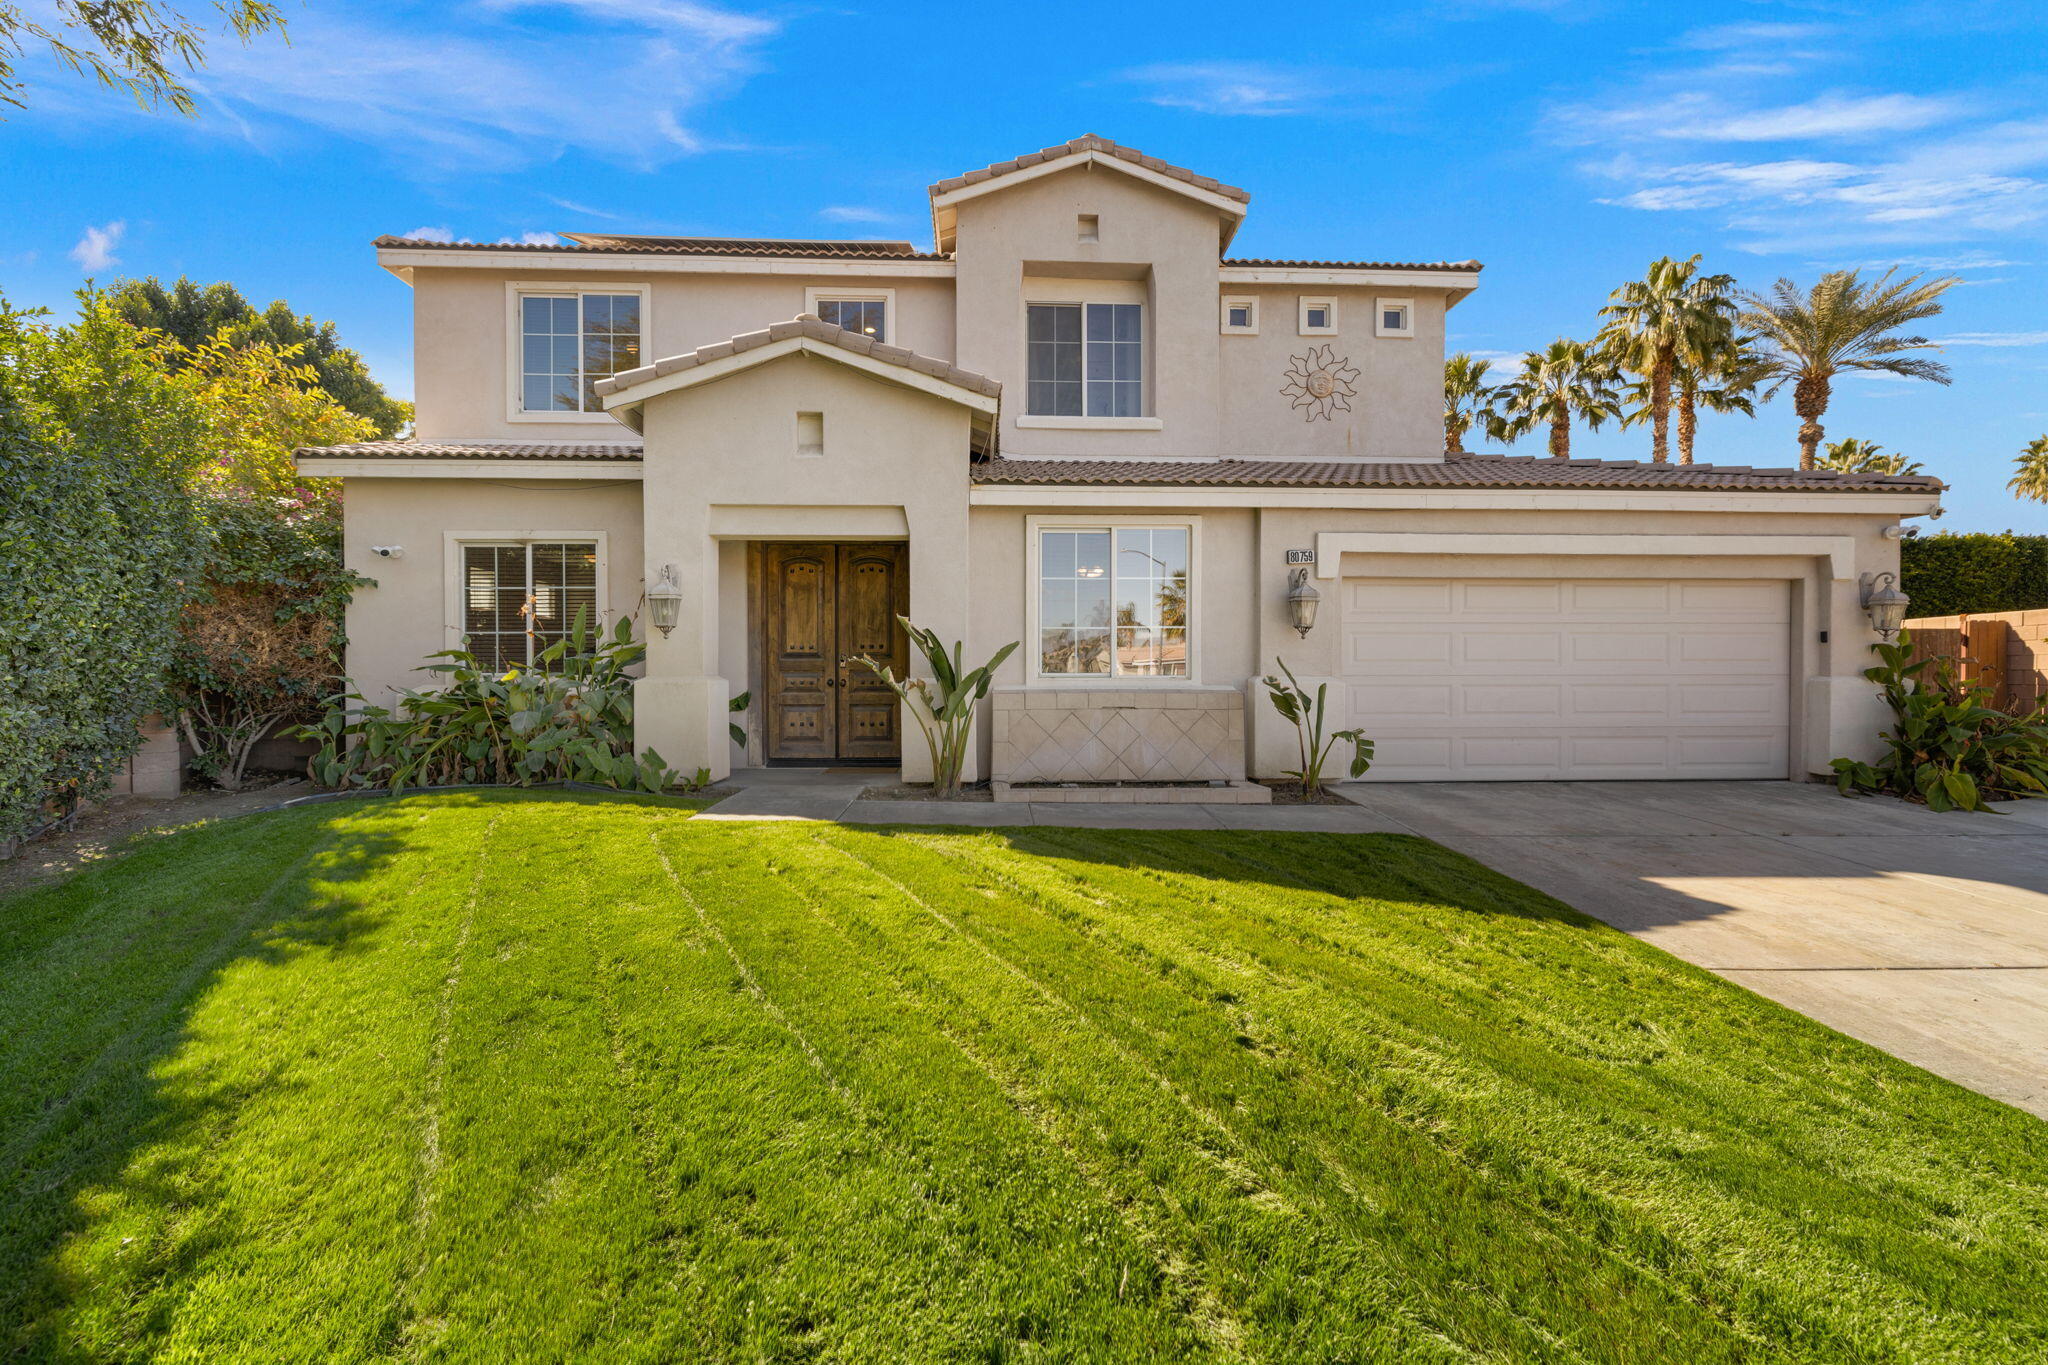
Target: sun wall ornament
[{"x": 1320, "y": 383}]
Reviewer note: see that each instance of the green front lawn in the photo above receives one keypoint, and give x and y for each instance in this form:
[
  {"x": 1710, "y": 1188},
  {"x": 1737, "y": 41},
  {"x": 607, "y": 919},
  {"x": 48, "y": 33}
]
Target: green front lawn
[{"x": 477, "y": 1077}]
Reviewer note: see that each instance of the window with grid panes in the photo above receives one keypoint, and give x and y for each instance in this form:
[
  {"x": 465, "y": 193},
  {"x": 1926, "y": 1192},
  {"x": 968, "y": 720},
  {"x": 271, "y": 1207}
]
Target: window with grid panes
[
  {"x": 1085, "y": 360},
  {"x": 1113, "y": 601},
  {"x": 520, "y": 597},
  {"x": 567, "y": 342}
]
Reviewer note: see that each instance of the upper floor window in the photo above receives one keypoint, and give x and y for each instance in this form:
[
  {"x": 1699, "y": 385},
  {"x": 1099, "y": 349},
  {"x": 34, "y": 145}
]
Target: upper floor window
[
  {"x": 866, "y": 316},
  {"x": 1318, "y": 317},
  {"x": 1394, "y": 317},
  {"x": 569, "y": 341},
  {"x": 1085, "y": 360},
  {"x": 865, "y": 312},
  {"x": 1241, "y": 316}
]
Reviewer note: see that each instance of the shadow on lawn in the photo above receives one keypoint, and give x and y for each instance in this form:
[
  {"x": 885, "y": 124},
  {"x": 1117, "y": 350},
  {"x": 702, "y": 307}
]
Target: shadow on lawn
[
  {"x": 112, "y": 1133},
  {"x": 1403, "y": 867}
]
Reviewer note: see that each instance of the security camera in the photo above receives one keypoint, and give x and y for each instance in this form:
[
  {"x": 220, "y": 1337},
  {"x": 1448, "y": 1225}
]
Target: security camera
[{"x": 388, "y": 551}]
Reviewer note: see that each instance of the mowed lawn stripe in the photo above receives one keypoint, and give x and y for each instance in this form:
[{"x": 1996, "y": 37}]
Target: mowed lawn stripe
[
  {"x": 236, "y": 1153},
  {"x": 1630, "y": 1123},
  {"x": 1500, "y": 1272},
  {"x": 1253, "y": 1241},
  {"x": 1028, "y": 1252},
  {"x": 538, "y": 1224}
]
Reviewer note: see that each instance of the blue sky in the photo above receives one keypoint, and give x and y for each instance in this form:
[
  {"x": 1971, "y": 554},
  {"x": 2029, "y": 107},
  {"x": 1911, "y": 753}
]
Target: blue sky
[{"x": 1563, "y": 143}]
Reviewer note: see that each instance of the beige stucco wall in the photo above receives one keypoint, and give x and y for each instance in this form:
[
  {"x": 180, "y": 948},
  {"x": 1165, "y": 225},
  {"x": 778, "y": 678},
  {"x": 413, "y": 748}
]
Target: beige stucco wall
[
  {"x": 1161, "y": 238},
  {"x": 722, "y": 469},
  {"x": 413, "y": 610},
  {"x": 1397, "y": 412},
  {"x": 462, "y": 359}
]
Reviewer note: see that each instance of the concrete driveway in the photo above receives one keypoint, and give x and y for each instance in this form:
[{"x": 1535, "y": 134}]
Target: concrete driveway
[{"x": 1923, "y": 934}]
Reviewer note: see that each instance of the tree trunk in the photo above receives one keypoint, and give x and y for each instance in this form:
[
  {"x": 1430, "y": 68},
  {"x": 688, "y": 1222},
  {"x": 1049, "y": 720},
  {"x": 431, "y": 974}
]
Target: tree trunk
[
  {"x": 1561, "y": 438},
  {"x": 1688, "y": 425},
  {"x": 1660, "y": 406},
  {"x": 1454, "y": 436},
  {"x": 1810, "y": 401}
]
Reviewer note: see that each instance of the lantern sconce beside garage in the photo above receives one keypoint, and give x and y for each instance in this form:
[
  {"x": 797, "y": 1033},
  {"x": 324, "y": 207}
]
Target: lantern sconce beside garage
[
  {"x": 1302, "y": 601},
  {"x": 1885, "y": 603}
]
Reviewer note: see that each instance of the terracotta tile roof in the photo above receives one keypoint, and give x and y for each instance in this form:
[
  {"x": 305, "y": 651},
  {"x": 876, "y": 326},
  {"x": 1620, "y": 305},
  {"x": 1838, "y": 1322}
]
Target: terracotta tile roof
[
  {"x": 804, "y": 325},
  {"x": 1470, "y": 471},
  {"x": 476, "y": 450},
  {"x": 1353, "y": 265},
  {"x": 1102, "y": 146},
  {"x": 689, "y": 246}
]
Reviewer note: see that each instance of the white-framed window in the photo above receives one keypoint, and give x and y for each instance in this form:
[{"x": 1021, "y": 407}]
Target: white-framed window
[
  {"x": 564, "y": 338},
  {"x": 1240, "y": 317},
  {"x": 867, "y": 312},
  {"x": 1318, "y": 317},
  {"x": 1085, "y": 360},
  {"x": 517, "y": 597},
  {"x": 1112, "y": 600},
  {"x": 1393, "y": 317}
]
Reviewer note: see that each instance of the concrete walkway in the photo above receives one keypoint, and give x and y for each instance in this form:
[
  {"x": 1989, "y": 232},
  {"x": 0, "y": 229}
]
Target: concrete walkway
[
  {"x": 834, "y": 794},
  {"x": 1923, "y": 934}
]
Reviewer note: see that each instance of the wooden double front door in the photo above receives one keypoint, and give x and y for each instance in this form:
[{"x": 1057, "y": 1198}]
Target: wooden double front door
[{"x": 823, "y": 604}]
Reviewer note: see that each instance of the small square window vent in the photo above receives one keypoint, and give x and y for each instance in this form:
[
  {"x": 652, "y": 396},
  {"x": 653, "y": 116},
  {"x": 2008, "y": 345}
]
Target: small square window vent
[{"x": 1088, "y": 228}]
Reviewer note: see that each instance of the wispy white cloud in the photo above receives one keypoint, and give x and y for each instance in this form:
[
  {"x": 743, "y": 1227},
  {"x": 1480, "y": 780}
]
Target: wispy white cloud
[
  {"x": 855, "y": 213},
  {"x": 584, "y": 209},
  {"x": 489, "y": 85},
  {"x": 1260, "y": 89},
  {"x": 95, "y": 249},
  {"x": 531, "y": 239},
  {"x": 431, "y": 234},
  {"x": 1752, "y": 36},
  {"x": 1829, "y": 116},
  {"x": 1994, "y": 339}
]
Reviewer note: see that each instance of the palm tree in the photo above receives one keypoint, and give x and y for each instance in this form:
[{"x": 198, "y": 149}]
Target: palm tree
[
  {"x": 1468, "y": 398},
  {"x": 1842, "y": 323},
  {"x": 2030, "y": 471},
  {"x": 1567, "y": 379},
  {"x": 1855, "y": 456},
  {"x": 1652, "y": 320}
]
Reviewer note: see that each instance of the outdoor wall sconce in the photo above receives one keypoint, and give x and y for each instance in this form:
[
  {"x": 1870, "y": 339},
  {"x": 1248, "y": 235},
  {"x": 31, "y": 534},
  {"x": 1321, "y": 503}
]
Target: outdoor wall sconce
[
  {"x": 1302, "y": 601},
  {"x": 1885, "y": 603},
  {"x": 665, "y": 600}
]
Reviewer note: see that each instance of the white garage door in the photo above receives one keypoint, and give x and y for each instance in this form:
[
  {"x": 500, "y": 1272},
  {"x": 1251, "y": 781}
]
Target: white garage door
[{"x": 1477, "y": 679}]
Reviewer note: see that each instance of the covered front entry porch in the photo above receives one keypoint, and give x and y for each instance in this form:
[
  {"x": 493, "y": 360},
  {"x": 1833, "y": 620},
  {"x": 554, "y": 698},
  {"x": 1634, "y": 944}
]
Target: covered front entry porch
[{"x": 802, "y": 492}]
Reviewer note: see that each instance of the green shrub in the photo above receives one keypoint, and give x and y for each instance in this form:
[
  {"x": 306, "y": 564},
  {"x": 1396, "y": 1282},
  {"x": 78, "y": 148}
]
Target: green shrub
[
  {"x": 99, "y": 542},
  {"x": 1949, "y": 575},
  {"x": 1309, "y": 714},
  {"x": 1949, "y": 746},
  {"x": 568, "y": 716},
  {"x": 942, "y": 705}
]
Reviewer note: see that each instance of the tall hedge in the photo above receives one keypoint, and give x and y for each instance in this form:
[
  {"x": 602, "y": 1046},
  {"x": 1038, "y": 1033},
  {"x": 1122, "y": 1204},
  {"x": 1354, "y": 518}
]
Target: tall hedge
[
  {"x": 99, "y": 538},
  {"x": 1948, "y": 575}
]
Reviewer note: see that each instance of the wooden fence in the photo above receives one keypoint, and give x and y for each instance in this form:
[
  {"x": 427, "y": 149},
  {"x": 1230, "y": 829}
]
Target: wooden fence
[{"x": 2006, "y": 651}]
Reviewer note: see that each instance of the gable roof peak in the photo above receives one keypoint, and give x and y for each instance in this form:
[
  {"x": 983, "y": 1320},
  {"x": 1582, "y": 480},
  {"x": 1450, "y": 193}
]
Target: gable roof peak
[{"x": 1089, "y": 149}]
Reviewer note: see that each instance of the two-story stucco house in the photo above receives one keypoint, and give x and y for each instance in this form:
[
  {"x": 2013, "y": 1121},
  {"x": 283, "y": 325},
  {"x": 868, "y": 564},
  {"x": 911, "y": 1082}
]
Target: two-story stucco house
[{"x": 1078, "y": 422}]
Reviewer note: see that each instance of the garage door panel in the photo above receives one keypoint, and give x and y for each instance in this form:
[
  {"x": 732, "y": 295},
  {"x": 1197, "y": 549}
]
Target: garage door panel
[
  {"x": 1566, "y": 679},
  {"x": 1607, "y": 600},
  {"x": 1508, "y": 647},
  {"x": 1511, "y": 599}
]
